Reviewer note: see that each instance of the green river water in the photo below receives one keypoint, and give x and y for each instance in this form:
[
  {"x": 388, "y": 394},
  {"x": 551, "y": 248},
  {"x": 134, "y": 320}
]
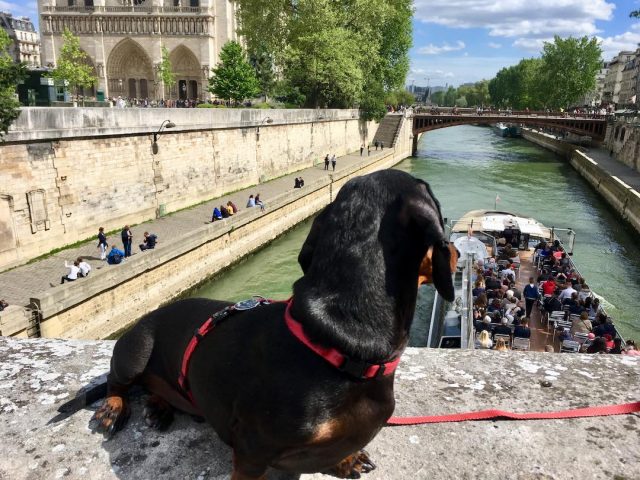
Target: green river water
[{"x": 467, "y": 167}]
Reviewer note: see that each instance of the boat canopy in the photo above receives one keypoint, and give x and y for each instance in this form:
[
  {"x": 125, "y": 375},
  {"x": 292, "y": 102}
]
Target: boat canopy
[
  {"x": 494, "y": 221},
  {"x": 470, "y": 245}
]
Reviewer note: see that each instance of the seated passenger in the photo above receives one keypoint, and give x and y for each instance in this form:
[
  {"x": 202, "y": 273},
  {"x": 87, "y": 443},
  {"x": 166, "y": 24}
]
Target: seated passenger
[
  {"x": 485, "y": 324},
  {"x": 522, "y": 330},
  {"x": 582, "y": 324},
  {"x": 598, "y": 346},
  {"x": 479, "y": 288},
  {"x": 552, "y": 304},
  {"x": 608, "y": 341},
  {"x": 605, "y": 328},
  {"x": 549, "y": 287},
  {"x": 566, "y": 293},
  {"x": 484, "y": 341},
  {"x": 617, "y": 346},
  {"x": 503, "y": 328},
  {"x": 501, "y": 345}
]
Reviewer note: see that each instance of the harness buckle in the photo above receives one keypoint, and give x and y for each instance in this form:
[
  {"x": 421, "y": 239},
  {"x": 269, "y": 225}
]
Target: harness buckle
[{"x": 355, "y": 367}]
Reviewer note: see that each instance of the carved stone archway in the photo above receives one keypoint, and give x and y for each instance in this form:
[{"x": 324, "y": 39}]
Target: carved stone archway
[
  {"x": 188, "y": 74},
  {"x": 129, "y": 71}
]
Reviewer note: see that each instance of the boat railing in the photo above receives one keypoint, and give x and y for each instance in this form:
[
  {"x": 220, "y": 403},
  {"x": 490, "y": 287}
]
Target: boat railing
[{"x": 467, "y": 339}]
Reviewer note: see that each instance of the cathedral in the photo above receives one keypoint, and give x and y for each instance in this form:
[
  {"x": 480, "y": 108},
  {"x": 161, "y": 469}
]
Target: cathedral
[{"x": 124, "y": 39}]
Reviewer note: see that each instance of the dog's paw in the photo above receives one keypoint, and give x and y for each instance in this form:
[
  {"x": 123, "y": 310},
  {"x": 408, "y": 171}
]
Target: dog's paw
[
  {"x": 353, "y": 466},
  {"x": 158, "y": 413},
  {"x": 110, "y": 417}
]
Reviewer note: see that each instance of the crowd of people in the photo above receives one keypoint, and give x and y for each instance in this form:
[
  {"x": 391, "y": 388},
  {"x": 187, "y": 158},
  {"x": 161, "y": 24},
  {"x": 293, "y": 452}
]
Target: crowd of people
[{"x": 502, "y": 312}]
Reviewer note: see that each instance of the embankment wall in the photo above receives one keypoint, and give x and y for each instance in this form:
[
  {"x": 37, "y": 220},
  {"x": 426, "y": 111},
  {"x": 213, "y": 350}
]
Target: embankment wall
[
  {"x": 624, "y": 199},
  {"x": 66, "y": 171},
  {"x": 101, "y": 306}
]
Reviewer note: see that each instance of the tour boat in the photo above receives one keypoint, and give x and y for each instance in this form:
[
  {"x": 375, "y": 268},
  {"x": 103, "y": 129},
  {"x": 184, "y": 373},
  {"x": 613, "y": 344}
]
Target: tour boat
[
  {"x": 508, "y": 130},
  {"x": 477, "y": 236}
]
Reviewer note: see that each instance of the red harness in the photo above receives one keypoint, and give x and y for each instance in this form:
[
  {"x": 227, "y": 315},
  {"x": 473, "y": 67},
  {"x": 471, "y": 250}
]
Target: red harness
[{"x": 355, "y": 367}]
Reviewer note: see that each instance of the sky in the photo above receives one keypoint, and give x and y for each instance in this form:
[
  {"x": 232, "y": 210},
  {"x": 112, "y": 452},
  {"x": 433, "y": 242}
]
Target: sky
[{"x": 459, "y": 41}]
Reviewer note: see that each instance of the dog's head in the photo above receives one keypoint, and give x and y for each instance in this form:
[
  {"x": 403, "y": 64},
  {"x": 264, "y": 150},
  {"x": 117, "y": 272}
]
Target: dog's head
[{"x": 381, "y": 232}]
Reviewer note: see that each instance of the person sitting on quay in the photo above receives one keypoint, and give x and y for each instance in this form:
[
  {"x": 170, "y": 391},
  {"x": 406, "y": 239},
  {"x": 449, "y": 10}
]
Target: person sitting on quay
[
  {"x": 115, "y": 256},
  {"x": 149, "y": 241},
  {"x": 251, "y": 202},
  {"x": 72, "y": 276},
  {"x": 298, "y": 183},
  {"x": 225, "y": 211},
  {"x": 216, "y": 215},
  {"x": 259, "y": 203},
  {"x": 84, "y": 267},
  {"x": 3, "y": 305},
  {"x": 233, "y": 206}
]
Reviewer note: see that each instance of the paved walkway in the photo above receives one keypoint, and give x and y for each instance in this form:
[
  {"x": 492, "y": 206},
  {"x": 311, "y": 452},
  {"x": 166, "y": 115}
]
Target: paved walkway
[
  {"x": 616, "y": 168},
  {"x": 21, "y": 283}
]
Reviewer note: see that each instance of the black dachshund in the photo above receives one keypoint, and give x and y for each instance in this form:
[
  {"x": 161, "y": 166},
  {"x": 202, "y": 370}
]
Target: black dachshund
[{"x": 302, "y": 385}]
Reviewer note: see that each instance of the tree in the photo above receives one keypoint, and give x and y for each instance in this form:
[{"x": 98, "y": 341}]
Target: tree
[
  {"x": 165, "y": 72},
  {"x": 10, "y": 74},
  {"x": 233, "y": 78},
  {"x": 262, "y": 62},
  {"x": 569, "y": 68},
  {"x": 334, "y": 53},
  {"x": 73, "y": 64}
]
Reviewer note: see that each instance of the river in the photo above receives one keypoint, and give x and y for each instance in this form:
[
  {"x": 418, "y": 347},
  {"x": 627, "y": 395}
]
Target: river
[{"x": 467, "y": 168}]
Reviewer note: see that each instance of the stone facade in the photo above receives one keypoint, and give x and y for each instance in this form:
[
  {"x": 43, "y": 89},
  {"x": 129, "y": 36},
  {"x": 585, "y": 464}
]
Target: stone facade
[
  {"x": 57, "y": 186},
  {"x": 623, "y": 140},
  {"x": 26, "y": 43},
  {"x": 123, "y": 40},
  {"x": 613, "y": 79}
]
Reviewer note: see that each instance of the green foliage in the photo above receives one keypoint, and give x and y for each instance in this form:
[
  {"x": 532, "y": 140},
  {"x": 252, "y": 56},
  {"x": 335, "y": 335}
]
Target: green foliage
[
  {"x": 286, "y": 93},
  {"x": 262, "y": 62},
  {"x": 569, "y": 69},
  {"x": 566, "y": 72},
  {"x": 10, "y": 74},
  {"x": 461, "y": 102},
  {"x": 73, "y": 65},
  {"x": 262, "y": 105},
  {"x": 233, "y": 78},
  {"x": 333, "y": 54},
  {"x": 165, "y": 71},
  {"x": 372, "y": 106}
]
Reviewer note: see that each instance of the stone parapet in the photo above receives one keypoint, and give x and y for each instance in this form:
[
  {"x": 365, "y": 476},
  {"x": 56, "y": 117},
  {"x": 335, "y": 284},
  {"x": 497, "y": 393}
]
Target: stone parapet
[
  {"x": 38, "y": 375},
  {"x": 55, "y": 123}
]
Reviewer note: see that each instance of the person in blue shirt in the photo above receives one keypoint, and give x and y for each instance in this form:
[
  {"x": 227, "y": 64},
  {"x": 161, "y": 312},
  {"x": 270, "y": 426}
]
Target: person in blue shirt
[
  {"x": 115, "y": 256},
  {"x": 531, "y": 294},
  {"x": 217, "y": 215},
  {"x": 150, "y": 240},
  {"x": 251, "y": 202}
]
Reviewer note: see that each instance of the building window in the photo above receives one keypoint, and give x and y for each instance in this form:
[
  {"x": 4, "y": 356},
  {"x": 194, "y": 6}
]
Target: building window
[
  {"x": 71, "y": 3},
  {"x": 88, "y": 3},
  {"x": 195, "y": 3},
  {"x": 622, "y": 135}
]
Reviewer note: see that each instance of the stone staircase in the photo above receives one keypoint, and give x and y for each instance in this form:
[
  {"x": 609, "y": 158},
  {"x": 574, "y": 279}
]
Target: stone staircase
[{"x": 388, "y": 130}]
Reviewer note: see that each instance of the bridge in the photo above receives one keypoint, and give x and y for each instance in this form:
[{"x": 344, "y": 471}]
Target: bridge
[{"x": 593, "y": 126}]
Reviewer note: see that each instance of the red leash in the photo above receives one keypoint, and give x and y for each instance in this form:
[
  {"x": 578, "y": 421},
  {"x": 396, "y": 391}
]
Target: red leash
[{"x": 625, "y": 408}]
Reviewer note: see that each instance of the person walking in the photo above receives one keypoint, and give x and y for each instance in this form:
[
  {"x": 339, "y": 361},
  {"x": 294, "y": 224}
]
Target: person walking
[
  {"x": 333, "y": 162},
  {"x": 361, "y": 149},
  {"x": 102, "y": 243},
  {"x": 381, "y": 145},
  {"x": 326, "y": 162},
  {"x": 368, "y": 150},
  {"x": 127, "y": 238},
  {"x": 376, "y": 144}
]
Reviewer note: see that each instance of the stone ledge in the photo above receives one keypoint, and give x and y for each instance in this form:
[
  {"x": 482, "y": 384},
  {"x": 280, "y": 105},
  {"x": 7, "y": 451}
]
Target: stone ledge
[
  {"x": 56, "y": 123},
  {"x": 37, "y": 375}
]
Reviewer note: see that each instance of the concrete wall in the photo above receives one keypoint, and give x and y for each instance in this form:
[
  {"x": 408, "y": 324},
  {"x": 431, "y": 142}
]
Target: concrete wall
[
  {"x": 102, "y": 306},
  {"x": 623, "y": 140},
  {"x": 66, "y": 171},
  {"x": 624, "y": 199}
]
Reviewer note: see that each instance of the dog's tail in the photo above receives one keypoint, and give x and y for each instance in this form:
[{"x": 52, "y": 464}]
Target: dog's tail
[{"x": 87, "y": 397}]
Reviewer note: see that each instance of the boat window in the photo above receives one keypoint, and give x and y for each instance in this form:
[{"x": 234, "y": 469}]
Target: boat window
[
  {"x": 617, "y": 132},
  {"x": 622, "y": 135}
]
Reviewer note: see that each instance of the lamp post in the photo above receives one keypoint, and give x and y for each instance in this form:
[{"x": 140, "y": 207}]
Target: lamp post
[
  {"x": 264, "y": 120},
  {"x": 154, "y": 145}
]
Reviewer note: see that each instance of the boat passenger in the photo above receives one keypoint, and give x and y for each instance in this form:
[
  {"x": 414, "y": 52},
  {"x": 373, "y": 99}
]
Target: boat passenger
[
  {"x": 617, "y": 346},
  {"x": 582, "y": 324},
  {"x": 522, "y": 330},
  {"x": 632, "y": 349},
  {"x": 503, "y": 328},
  {"x": 598, "y": 346},
  {"x": 605, "y": 328},
  {"x": 484, "y": 341},
  {"x": 501, "y": 345}
]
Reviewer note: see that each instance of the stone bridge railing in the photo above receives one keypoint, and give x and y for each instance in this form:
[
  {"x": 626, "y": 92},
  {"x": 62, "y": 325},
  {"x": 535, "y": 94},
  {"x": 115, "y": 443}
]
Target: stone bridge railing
[{"x": 38, "y": 375}]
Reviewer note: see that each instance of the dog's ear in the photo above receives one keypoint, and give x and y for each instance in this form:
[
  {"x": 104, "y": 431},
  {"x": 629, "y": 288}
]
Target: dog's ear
[
  {"x": 441, "y": 258},
  {"x": 437, "y": 266},
  {"x": 308, "y": 247}
]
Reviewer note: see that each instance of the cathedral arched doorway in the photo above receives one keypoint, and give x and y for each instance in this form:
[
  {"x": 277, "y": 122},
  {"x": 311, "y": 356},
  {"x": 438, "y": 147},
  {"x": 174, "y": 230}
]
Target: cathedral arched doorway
[
  {"x": 129, "y": 71},
  {"x": 188, "y": 74}
]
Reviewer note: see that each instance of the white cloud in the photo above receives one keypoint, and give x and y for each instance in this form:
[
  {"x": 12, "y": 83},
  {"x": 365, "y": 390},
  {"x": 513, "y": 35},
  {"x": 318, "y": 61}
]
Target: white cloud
[
  {"x": 454, "y": 71},
  {"x": 528, "y": 22},
  {"x": 611, "y": 46},
  {"x": 432, "y": 49},
  {"x": 21, "y": 8},
  {"x": 494, "y": 45}
]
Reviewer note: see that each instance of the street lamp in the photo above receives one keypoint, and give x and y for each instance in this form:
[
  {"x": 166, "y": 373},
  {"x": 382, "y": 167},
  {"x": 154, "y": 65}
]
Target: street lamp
[
  {"x": 264, "y": 120},
  {"x": 165, "y": 124}
]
